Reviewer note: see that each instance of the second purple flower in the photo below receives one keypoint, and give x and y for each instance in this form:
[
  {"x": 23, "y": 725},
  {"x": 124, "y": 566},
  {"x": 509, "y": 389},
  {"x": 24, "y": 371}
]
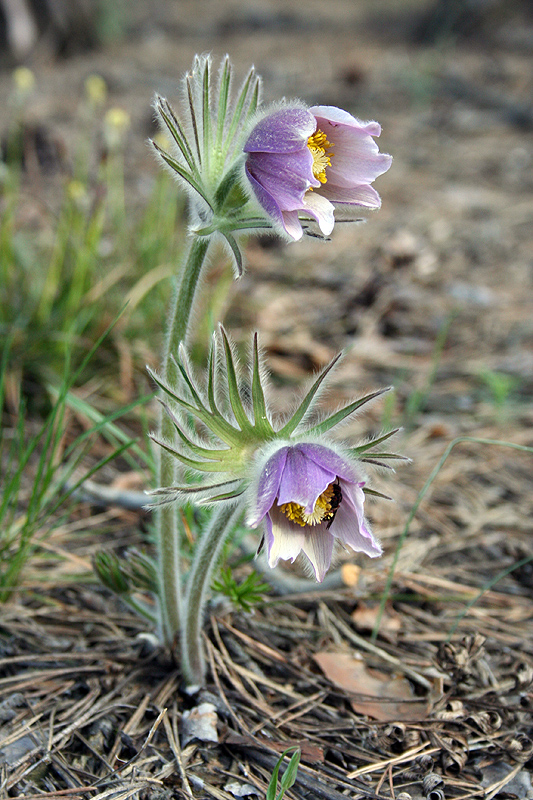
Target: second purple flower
[
  {"x": 308, "y": 496},
  {"x": 305, "y": 162}
]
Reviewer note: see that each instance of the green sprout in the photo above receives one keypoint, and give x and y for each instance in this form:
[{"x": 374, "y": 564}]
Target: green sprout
[
  {"x": 289, "y": 776},
  {"x": 244, "y": 595},
  {"x": 501, "y": 386}
]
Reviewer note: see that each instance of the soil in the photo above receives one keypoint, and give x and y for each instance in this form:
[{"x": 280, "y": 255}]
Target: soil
[{"x": 431, "y": 295}]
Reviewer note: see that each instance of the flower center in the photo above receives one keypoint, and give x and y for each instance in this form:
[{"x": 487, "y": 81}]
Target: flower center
[
  {"x": 325, "y": 508},
  {"x": 318, "y": 145}
]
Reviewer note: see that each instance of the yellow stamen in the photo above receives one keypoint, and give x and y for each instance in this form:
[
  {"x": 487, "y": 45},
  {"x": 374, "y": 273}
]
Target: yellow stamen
[
  {"x": 318, "y": 145},
  {"x": 322, "y": 511}
]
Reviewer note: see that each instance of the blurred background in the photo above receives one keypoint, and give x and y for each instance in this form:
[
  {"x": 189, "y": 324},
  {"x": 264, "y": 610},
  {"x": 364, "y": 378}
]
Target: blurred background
[{"x": 451, "y": 82}]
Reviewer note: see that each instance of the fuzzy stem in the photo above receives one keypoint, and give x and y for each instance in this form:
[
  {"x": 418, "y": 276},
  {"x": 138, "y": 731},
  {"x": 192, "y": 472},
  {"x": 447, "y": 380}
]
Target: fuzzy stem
[
  {"x": 206, "y": 559},
  {"x": 183, "y": 302},
  {"x": 140, "y": 608},
  {"x": 167, "y": 520}
]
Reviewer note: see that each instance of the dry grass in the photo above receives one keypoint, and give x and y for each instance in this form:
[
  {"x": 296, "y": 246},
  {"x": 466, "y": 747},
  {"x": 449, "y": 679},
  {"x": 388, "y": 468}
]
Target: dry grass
[{"x": 91, "y": 707}]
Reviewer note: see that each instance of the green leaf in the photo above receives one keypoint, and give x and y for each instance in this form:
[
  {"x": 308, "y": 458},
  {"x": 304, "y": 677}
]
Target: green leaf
[
  {"x": 103, "y": 423},
  {"x": 251, "y": 80},
  {"x": 249, "y": 223},
  {"x": 200, "y": 466},
  {"x": 182, "y": 172},
  {"x": 203, "y": 452},
  {"x": 193, "y": 489},
  {"x": 386, "y": 456},
  {"x": 226, "y": 496},
  {"x": 376, "y": 463},
  {"x": 235, "y": 249},
  {"x": 176, "y": 131},
  {"x": 245, "y": 594},
  {"x": 109, "y": 570},
  {"x": 261, "y": 421},
  {"x": 375, "y": 493},
  {"x": 254, "y": 102},
  {"x": 206, "y": 116},
  {"x": 211, "y": 367},
  {"x": 223, "y": 96},
  {"x": 289, "y": 776},
  {"x": 233, "y": 389},
  {"x": 168, "y": 391},
  {"x": 192, "y": 110},
  {"x": 215, "y": 423},
  {"x": 181, "y": 364},
  {"x": 330, "y": 423},
  {"x": 362, "y": 448},
  {"x": 301, "y": 411},
  {"x": 72, "y": 488}
]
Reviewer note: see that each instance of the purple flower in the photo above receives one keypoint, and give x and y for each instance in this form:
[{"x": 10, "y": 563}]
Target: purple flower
[
  {"x": 309, "y": 495},
  {"x": 307, "y": 161}
]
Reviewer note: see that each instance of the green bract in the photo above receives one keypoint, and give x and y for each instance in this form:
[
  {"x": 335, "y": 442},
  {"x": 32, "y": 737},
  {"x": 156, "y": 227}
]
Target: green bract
[
  {"x": 233, "y": 429},
  {"x": 206, "y": 140}
]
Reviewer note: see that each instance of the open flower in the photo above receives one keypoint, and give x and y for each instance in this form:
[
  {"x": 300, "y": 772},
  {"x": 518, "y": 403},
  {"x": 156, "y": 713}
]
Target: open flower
[
  {"x": 309, "y": 496},
  {"x": 305, "y": 489},
  {"x": 305, "y": 162}
]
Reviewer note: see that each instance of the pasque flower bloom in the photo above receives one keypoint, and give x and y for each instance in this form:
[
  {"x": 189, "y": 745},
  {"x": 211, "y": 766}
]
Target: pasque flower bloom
[
  {"x": 248, "y": 171},
  {"x": 305, "y": 162},
  {"x": 304, "y": 489},
  {"x": 308, "y": 495}
]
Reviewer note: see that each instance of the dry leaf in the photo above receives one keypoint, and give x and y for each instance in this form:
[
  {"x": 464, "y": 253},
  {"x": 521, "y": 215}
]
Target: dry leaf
[
  {"x": 385, "y": 699},
  {"x": 200, "y": 723},
  {"x": 241, "y": 789},
  {"x": 350, "y": 574},
  {"x": 365, "y": 618}
]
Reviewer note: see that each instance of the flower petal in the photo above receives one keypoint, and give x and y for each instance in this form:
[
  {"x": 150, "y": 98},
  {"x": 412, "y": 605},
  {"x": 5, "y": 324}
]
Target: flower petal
[
  {"x": 318, "y": 547},
  {"x": 303, "y": 479},
  {"x": 285, "y": 177},
  {"x": 292, "y": 225},
  {"x": 283, "y": 539},
  {"x": 266, "y": 200},
  {"x": 267, "y": 489},
  {"x": 321, "y": 210},
  {"x": 328, "y": 459},
  {"x": 288, "y": 220},
  {"x": 356, "y": 157},
  {"x": 350, "y": 526},
  {"x": 363, "y": 195},
  {"x": 337, "y": 116},
  {"x": 283, "y": 131},
  {"x": 280, "y": 165}
]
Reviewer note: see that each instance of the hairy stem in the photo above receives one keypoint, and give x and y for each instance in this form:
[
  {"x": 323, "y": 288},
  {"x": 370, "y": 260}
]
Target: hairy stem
[
  {"x": 206, "y": 559},
  {"x": 167, "y": 518},
  {"x": 183, "y": 302}
]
